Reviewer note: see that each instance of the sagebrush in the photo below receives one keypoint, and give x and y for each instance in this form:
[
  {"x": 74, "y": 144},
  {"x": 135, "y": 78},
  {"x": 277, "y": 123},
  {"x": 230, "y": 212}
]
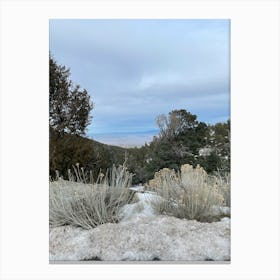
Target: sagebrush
[
  {"x": 190, "y": 193},
  {"x": 89, "y": 205}
]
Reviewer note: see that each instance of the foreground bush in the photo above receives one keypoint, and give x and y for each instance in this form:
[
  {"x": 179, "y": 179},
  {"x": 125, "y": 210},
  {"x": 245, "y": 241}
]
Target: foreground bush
[
  {"x": 89, "y": 205},
  {"x": 189, "y": 194}
]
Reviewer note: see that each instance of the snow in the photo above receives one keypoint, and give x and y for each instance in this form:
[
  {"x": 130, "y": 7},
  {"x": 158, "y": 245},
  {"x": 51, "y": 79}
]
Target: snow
[
  {"x": 143, "y": 239},
  {"x": 142, "y": 208},
  {"x": 142, "y": 235},
  {"x": 220, "y": 210},
  {"x": 137, "y": 188}
]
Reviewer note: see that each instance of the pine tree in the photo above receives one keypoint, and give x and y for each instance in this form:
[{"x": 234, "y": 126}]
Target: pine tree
[{"x": 69, "y": 106}]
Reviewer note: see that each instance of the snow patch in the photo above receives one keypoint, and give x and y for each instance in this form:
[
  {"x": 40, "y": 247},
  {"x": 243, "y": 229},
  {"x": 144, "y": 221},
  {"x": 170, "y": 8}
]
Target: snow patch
[
  {"x": 143, "y": 239},
  {"x": 142, "y": 208},
  {"x": 220, "y": 210},
  {"x": 137, "y": 188}
]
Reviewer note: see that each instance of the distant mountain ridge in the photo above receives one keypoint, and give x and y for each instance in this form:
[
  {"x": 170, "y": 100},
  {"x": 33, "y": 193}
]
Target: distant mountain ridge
[{"x": 125, "y": 139}]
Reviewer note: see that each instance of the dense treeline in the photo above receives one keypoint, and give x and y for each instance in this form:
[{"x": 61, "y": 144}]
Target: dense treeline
[
  {"x": 68, "y": 150},
  {"x": 182, "y": 138},
  {"x": 192, "y": 142}
]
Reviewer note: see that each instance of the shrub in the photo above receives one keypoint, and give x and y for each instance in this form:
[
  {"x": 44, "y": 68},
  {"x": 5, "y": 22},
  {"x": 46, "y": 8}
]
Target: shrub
[
  {"x": 89, "y": 205},
  {"x": 189, "y": 194},
  {"x": 223, "y": 183}
]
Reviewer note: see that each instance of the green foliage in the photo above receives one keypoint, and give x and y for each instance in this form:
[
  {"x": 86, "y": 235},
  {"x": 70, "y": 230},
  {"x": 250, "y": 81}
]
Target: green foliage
[
  {"x": 177, "y": 123},
  {"x": 219, "y": 141},
  {"x": 180, "y": 141},
  {"x": 211, "y": 163},
  {"x": 67, "y": 150},
  {"x": 69, "y": 107},
  {"x": 182, "y": 137},
  {"x": 69, "y": 115}
]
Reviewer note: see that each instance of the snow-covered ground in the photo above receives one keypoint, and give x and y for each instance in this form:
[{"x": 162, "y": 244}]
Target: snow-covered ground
[
  {"x": 143, "y": 236},
  {"x": 142, "y": 208},
  {"x": 143, "y": 239}
]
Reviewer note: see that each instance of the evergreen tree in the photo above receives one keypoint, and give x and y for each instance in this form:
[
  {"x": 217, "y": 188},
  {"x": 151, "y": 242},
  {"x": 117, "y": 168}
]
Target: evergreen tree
[{"x": 69, "y": 106}]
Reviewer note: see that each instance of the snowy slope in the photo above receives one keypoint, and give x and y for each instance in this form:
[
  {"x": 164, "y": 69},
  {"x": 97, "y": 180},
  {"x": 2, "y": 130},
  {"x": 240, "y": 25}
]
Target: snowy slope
[
  {"x": 143, "y": 236},
  {"x": 144, "y": 239}
]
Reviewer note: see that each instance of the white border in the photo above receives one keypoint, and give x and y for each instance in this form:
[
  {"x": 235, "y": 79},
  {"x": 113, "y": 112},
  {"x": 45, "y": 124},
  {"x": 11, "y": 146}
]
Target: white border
[{"x": 255, "y": 137}]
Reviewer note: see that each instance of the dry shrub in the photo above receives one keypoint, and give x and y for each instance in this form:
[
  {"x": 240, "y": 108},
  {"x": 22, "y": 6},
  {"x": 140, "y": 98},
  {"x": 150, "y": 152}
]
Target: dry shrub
[
  {"x": 190, "y": 193},
  {"x": 223, "y": 183},
  {"x": 89, "y": 205}
]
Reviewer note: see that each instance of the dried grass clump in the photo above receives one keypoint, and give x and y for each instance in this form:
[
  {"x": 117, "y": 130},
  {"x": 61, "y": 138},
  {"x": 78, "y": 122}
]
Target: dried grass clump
[
  {"x": 89, "y": 205},
  {"x": 190, "y": 193},
  {"x": 162, "y": 176},
  {"x": 223, "y": 184}
]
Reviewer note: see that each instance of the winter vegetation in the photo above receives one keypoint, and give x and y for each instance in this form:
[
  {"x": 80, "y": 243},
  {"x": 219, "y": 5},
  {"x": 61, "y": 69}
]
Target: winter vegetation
[
  {"x": 167, "y": 200},
  {"x": 182, "y": 138},
  {"x": 183, "y": 211},
  {"x": 190, "y": 193},
  {"x": 89, "y": 205}
]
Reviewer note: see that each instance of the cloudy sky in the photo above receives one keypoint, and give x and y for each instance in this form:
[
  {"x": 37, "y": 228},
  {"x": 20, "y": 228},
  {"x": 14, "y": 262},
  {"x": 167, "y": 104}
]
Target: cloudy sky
[{"x": 135, "y": 70}]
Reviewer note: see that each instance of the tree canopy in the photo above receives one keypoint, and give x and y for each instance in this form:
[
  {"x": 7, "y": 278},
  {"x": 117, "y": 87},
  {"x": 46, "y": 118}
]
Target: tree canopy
[
  {"x": 177, "y": 122},
  {"x": 69, "y": 106},
  {"x": 182, "y": 138}
]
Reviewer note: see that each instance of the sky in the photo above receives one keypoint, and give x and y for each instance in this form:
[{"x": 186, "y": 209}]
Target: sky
[{"x": 135, "y": 70}]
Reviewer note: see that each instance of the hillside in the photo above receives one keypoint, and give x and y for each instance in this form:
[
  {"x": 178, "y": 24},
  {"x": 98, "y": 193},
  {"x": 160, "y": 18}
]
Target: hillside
[
  {"x": 190, "y": 141},
  {"x": 69, "y": 150}
]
